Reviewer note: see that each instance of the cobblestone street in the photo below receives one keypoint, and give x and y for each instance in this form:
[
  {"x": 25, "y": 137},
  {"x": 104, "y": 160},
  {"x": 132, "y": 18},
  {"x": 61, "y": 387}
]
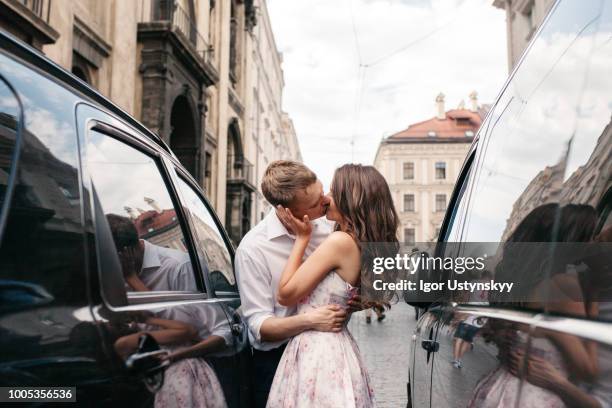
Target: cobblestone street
[{"x": 385, "y": 348}]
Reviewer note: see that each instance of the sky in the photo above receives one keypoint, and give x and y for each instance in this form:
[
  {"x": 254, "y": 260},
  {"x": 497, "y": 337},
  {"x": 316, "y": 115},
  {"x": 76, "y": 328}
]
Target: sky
[{"x": 362, "y": 70}]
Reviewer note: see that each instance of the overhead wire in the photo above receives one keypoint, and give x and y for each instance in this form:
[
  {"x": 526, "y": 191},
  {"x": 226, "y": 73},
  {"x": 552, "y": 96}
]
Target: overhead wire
[{"x": 363, "y": 67}]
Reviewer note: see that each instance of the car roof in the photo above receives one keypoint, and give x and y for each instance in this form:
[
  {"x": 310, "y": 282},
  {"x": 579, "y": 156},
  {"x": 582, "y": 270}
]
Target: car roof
[{"x": 36, "y": 58}]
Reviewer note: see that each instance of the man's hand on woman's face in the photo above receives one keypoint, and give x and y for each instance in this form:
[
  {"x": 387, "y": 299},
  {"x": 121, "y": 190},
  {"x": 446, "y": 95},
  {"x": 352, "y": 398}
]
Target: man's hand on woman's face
[
  {"x": 128, "y": 258},
  {"x": 301, "y": 228}
]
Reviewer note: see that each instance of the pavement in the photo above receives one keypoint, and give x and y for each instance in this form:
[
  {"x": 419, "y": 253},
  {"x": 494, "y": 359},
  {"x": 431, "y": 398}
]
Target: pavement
[{"x": 385, "y": 348}]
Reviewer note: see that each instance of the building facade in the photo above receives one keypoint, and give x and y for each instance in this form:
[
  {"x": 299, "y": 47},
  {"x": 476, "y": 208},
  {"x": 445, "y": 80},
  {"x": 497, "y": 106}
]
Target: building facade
[
  {"x": 523, "y": 17},
  {"x": 422, "y": 163},
  {"x": 203, "y": 74}
]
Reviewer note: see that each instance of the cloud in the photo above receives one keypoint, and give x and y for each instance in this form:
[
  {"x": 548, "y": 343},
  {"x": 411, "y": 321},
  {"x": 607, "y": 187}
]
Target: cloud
[{"x": 462, "y": 47}]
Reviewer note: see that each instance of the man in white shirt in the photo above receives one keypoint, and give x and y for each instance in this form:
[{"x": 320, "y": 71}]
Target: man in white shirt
[
  {"x": 158, "y": 268},
  {"x": 260, "y": 260}
]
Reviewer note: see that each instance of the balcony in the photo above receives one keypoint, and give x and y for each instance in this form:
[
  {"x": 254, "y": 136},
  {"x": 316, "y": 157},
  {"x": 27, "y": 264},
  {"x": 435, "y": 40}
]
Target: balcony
[
  {"x": 170, "y": 23},
  {"x": 28, "y": 20},
  {"x": 240, "y": 171}
]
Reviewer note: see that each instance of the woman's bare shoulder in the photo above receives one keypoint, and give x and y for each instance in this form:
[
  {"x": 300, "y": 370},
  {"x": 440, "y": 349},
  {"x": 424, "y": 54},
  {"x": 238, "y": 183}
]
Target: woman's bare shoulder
[{"x": 341, "y": 240}]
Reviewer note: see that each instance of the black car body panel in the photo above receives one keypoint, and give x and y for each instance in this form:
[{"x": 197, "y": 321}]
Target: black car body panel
[{"x": 69, "y": 315}]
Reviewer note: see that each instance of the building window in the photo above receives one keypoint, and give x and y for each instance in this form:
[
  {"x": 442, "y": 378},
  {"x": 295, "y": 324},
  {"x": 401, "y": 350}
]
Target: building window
[
  {"x": 440, "y": 202},
  {"x": 208, "y": 173},
  {"x": 409, "y": 236},
  {"x": 408, "y": 202},
  {"x": 440, "y": 170},
  {"x": 436, "y": 233},
  {"x": 408, "y": 171},
  {"x": 530, "y": 18}
]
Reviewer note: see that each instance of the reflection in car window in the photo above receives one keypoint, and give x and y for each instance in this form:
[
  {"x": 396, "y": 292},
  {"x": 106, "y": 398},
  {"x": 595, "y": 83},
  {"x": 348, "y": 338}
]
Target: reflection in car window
[
  {"x": 9, "y": 117},
  {"x": 527, "y": 149},
  {"x": 211, "y": 246},
  {"x": 142, "y": 219},
  {"x": 586, "y": 184},
  {"x": 42, "y": 265}
]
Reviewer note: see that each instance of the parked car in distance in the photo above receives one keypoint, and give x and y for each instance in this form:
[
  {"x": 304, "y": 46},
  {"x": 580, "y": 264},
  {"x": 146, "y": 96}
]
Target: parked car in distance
[
  {"x": 110, "y": 255},
  {"x": 539, "y": 171}
]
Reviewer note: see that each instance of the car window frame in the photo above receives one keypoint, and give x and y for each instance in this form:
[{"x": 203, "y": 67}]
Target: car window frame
[
  {"x": 461, "y": 190},
  {"x": 127, "y": 136},
  {"x": 183, "y": 175}
]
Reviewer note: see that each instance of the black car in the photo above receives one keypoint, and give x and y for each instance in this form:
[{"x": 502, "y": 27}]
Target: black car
[
  {"x": 535, "y": 187},
  {"x": 88, "y": 196}
]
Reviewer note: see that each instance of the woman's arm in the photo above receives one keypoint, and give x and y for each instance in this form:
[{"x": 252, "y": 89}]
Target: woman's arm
[
  {"x": 172, "y": 331},
  {"x": 299, "y": 279},
  {"x": 211, "y": 344}
]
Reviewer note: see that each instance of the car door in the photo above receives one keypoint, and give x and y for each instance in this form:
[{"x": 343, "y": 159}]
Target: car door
[
  {"x": 516, "y": 210},
  {"x": 47, "y": 336},
  {"x": 215, "y": 254},
  {"x": 425, "y": 345},
  {"x": 149, "y": 282}
]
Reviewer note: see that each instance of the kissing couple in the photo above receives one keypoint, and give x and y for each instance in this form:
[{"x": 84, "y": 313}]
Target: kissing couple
[{"x": 299, "y": 271}]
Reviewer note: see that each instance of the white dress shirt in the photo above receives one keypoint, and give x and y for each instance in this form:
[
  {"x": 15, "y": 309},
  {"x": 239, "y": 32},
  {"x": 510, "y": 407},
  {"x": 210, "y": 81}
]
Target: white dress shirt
[
  {"x": 166, "y": 269},
  {"x": 260, "y": 260}
]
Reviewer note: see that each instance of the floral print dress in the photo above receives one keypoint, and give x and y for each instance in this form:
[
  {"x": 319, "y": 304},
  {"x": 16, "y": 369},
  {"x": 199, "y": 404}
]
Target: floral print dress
[
  {"x": 322, "y": 369},
  {"x": 190, "y": 383},
  {"x": 500, "y": 388}
]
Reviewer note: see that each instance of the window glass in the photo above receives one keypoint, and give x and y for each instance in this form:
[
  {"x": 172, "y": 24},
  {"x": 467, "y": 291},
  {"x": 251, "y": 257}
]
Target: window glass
[
  {"x": 409, "y": 236},
  {"x": 544, "y": 166},
  {"x": 440, "y": 170},
  {"x": 584, "y": 188},
  {"x": 525, "y": 153},
  {"x": 440, "y": 202},
  {"x": 43, "y": 274},
  {"x": 43, "y": 242},
  {"x": 408, "y": 202},
  {"x": 212, "y": 250},
  {"x": 408, "y": 171},
  {"x": 143, "y": 221},
  {"x": 9, "y": 117}
]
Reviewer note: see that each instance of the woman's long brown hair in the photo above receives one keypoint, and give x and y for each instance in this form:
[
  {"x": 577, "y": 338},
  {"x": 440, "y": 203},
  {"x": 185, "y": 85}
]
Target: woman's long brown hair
[{"x": 364, "y": 201}]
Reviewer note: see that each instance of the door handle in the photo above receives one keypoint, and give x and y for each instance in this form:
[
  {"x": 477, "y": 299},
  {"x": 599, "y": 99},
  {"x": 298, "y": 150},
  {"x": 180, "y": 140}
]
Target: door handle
[
  {"x": 147, "y": 363},
  {"x": 430, "y": 345}
]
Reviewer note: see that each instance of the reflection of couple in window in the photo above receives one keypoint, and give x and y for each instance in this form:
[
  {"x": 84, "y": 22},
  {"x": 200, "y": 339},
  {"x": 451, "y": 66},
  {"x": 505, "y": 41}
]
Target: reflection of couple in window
[
  {"x": 158, "y": 268},
  {"x": 188, "y": 332},
  {"x": 560, "y": 366}
]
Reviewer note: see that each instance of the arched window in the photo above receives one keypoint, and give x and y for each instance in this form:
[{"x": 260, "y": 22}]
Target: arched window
[{"x": 183, "y": 138}]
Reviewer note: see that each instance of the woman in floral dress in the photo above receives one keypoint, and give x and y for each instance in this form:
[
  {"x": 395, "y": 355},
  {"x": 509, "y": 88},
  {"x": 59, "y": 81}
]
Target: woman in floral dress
[{"x": 325, "y": 369}]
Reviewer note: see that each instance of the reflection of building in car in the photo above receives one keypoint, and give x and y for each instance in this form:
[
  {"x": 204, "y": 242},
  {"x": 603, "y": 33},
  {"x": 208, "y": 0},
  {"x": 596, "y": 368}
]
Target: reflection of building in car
[
  {"x": 586, "y": 184},
  {"x": 160, "y": 227},
  {"x": 216, "y": 255}
]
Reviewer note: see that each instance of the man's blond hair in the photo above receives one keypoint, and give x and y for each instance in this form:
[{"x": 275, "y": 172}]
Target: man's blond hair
[{"x": 283, "y": 179}]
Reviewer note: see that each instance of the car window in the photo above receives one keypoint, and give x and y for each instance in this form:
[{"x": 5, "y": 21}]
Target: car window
[
  {"x": 41, "y": 253},
  {"x": 525, "y": 152},
  {"x": 584, "y": 189},
  {"x": 10, "y": 114},
  {"x": 540, "y": 154},
  {"x": 143, "y": 221},
  {"x": 212, "y": 250}
]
